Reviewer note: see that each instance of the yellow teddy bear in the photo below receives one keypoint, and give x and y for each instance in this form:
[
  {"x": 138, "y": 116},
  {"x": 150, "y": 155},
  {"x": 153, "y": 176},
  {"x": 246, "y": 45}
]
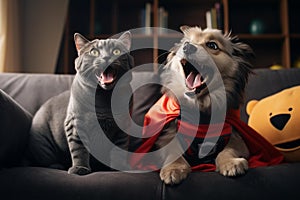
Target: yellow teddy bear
[{"x": 277, "y": 118}]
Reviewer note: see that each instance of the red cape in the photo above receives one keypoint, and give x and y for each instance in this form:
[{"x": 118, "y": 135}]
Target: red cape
[{"x": 262, "y": 153}]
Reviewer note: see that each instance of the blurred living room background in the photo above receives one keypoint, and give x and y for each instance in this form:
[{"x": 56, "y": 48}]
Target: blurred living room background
[
  {"x": 30, "y": 34},
  {"x": 36, "y": 36}
]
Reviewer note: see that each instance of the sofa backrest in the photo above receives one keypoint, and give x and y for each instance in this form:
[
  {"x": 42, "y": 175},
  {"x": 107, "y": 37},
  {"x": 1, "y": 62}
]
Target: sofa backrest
[
  {"x": 266, "y": 82},
  {"x": 32, "y": 90}
]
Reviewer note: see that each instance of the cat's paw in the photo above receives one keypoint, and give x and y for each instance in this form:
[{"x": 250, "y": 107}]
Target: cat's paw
[
  {"x": 232, "y": 166},
  {"x": 174, "y": 173},
  {"x": 79, "y": 170}
]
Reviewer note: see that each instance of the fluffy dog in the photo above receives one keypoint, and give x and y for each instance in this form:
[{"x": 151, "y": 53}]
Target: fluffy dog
[{"x": 207, "y": 71}]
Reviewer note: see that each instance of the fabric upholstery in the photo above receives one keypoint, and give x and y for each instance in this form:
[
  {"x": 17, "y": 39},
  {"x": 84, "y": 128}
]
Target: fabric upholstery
[
  {"x": 273, "y": 182},
  {"x": 48, "y": 184},
  {"x": 265, "y": 82},
  {"x": 143, "y": 98},
  {"x": 32, "y": 90},
  {"x": 15, "y": 122}
]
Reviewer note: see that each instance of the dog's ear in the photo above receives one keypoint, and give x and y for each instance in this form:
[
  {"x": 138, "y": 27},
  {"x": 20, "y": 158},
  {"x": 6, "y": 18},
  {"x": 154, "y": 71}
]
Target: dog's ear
[
  {"x": 241, "y": 49},
  {"x": 185, "y": 29}
]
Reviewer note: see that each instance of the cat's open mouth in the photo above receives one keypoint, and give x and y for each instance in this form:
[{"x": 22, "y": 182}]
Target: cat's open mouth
[
  {"x": 108, "y": 77},
  {"x": 194, "y": 81}
]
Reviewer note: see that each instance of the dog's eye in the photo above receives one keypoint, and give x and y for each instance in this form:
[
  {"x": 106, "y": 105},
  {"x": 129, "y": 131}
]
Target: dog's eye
[
  {"x": 94, "y": 52},
  {"x": 212, "y": 45}
]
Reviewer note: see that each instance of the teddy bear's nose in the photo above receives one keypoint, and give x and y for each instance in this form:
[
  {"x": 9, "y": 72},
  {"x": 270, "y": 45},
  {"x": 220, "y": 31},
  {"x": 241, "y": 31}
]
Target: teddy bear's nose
[{"x": 279, "y": 121}]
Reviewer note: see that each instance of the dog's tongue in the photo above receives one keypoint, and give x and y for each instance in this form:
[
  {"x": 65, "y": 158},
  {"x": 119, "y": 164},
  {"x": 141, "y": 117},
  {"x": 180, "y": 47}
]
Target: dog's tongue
[
  {"x": 193, "y": 80},
  {"x": 106, "y": 78}
]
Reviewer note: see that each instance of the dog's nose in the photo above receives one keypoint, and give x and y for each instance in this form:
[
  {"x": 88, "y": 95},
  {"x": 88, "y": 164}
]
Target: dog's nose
[
  {"x": 279, "y": 121},
  {"x": 189, "y": 48}
]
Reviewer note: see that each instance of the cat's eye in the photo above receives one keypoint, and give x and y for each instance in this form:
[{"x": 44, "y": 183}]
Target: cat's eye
[
  {"x": 94, "y": 52},
  {"x": 116, "y": 52},
  {"x": 212, "y": 45}
]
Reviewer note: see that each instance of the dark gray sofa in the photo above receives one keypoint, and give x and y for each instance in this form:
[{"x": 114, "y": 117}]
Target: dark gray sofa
[{"x": 22, "y": 95}]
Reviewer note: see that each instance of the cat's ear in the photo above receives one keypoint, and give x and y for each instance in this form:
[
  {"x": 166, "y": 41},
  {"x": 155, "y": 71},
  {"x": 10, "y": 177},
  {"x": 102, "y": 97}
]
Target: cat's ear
[
  {"x": 125, "y": 38},
  {"x": 80, "y": 41}
]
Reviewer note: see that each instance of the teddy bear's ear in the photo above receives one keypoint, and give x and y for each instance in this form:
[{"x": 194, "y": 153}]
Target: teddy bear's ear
[{"x": 250, "y": 105}]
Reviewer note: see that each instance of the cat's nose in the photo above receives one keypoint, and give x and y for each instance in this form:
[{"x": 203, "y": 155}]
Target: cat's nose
[
  {"x": 106, "y": 58},
  {"x": 189, "y": 48}
]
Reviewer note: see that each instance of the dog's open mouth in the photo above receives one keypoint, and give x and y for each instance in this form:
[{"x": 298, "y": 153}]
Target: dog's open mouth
[
  {"x": 107, "y": 77},
  {"x": 194, "y": 81}
]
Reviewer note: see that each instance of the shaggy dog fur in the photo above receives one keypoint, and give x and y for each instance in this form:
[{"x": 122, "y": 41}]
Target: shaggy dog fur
[{"x": 207, "y": 70}]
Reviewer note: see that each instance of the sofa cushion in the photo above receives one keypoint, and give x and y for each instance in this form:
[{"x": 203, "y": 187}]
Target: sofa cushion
[
  {"x": 15, "y": 122},
  {"x": 146, "y": 91},
  {"x": 265, "y": 82},
  {"x": 51, "y": 184}
]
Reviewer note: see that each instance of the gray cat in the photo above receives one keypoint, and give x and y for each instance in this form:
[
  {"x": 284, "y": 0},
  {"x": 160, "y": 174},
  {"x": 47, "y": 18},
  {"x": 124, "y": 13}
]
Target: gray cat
[{"x": 66, "y": 128}]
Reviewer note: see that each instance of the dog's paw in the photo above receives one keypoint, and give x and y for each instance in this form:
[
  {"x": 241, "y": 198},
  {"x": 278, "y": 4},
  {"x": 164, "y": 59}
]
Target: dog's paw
[
  {"x": 174, "y": 173},
  {"x": 79, "y": 170},
  {"x": 232, "y": 166}
]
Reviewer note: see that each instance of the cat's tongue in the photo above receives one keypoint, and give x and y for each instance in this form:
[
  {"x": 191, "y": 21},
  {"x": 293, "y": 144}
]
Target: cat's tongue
[
  {"x": 106, "y": 78},
  {"x": 193, "y": 80}
]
